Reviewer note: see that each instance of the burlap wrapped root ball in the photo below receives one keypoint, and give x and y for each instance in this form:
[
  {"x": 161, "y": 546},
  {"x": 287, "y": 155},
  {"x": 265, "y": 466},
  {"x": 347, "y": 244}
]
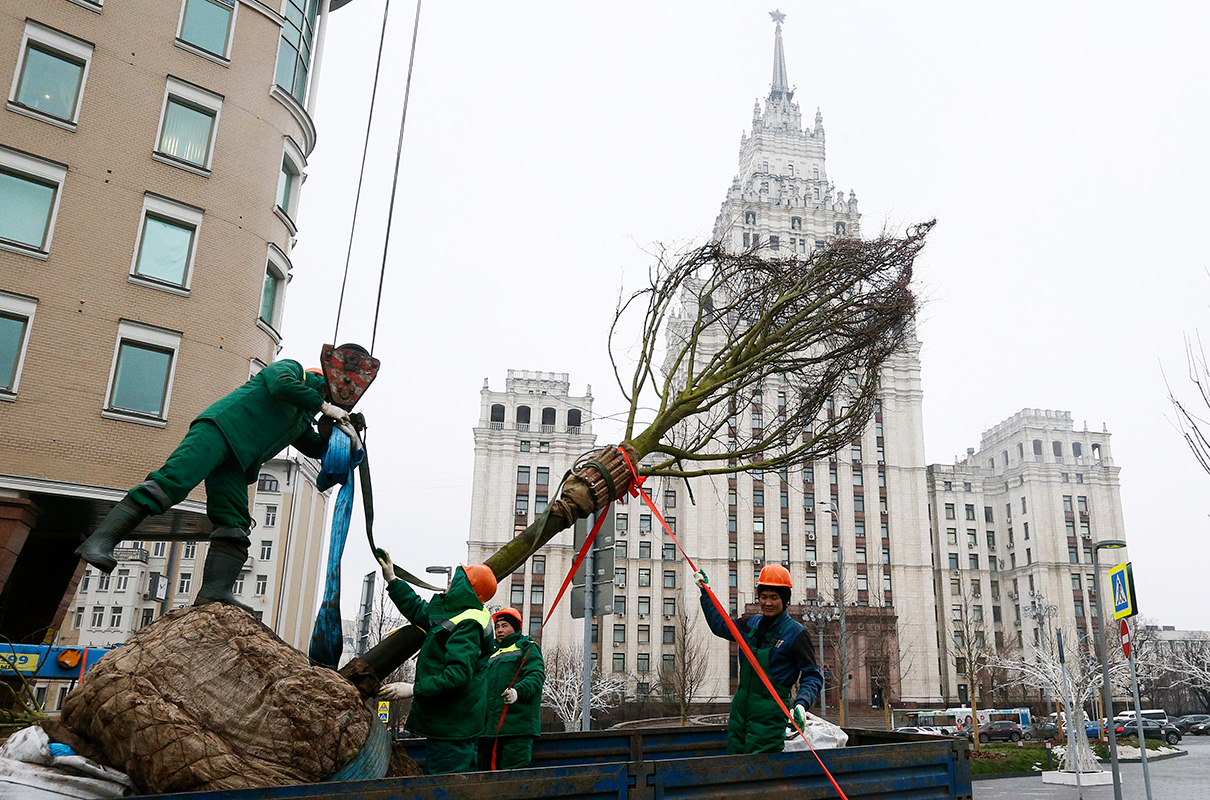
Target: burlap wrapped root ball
[{"x": 209, "y": 698}]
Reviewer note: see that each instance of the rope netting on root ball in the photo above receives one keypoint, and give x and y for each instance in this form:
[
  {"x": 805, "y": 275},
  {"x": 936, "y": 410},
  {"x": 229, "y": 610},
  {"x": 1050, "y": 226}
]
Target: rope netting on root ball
[
  {"x": 208, "y": 698},
  {"x": 717, "y": 329}
]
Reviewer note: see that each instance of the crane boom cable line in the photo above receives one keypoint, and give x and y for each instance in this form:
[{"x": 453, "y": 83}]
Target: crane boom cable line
[
  {"x": 365, "y": 149},
  {"x": 386, "y": 243}
]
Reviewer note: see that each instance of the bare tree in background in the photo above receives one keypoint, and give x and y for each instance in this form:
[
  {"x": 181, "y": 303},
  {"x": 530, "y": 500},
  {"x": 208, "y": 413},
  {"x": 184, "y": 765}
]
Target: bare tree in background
[
  {"x": 968, "y": 648},
  {"x": 564, "y": 688},
  {"x": 887, "y": 657},
  {"x": 1193, "y": 420},
  {"x": 682, "y": 677}
]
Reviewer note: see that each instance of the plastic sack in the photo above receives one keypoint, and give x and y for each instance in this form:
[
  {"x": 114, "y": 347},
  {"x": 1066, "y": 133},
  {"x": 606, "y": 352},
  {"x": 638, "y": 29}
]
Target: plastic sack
[
  {"x": 822, "y": 734},
  {"x": 29, "y": 770}
]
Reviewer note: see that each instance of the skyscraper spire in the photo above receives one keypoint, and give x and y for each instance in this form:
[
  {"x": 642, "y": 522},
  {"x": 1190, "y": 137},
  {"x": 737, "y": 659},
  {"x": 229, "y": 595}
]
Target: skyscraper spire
[{"x": 781, "y": 84}]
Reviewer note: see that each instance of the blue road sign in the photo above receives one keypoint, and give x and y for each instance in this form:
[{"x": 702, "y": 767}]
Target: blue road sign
[{"x": 1121, "y": 587}]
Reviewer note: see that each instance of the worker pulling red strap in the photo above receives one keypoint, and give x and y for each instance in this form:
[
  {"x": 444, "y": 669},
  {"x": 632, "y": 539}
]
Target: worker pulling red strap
[{"x": 795, "y": 720}]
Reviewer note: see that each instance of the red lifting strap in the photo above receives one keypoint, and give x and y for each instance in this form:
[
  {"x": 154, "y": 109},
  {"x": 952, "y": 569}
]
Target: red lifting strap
[{"x": 735, "y": 634}]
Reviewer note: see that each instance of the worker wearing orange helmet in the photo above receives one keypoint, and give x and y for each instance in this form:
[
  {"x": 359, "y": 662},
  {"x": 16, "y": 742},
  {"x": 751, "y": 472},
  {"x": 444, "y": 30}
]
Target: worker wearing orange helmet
[
  {"x": 449, "y": 694},
  {"x": 515, "y": 675},
  {"x": 784, "y": 651},
  {"x": 225, "y": 447}
]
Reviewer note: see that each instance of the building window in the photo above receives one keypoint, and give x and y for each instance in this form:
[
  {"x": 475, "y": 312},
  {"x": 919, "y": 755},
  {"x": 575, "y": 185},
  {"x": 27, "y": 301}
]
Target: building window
[
  {"x": 644, "y": 577},
  {"x": 669, "y": 606},
  {"x": 619, "y": 634},
  {"x": 103, "y": 582},
  {"x": 644, "y": 549},
  {"x": 669, "y": 552},
  {"x": 523, "y": 476},
  {"x": 537, "y": 594},
  {"x": 262, "y": 585},
  {"x": 643, "y": 663},
  {"x": 619, "y": 662},
  {"x": 206, "y": 25},
  {"x": 166, "y": 244},
  {"x": 238, "y": 586},
  {"x": 29, "y": 201},
  {"x": 953, "y": 560},
  {"x": 51, "y": 72},
  {"x": 289, "y": 179},
  {"x": 266, "y": 549},
  {"x": 273, "y": 291},
  {"x": 517, "y": 595},
  {"x": 79, "y": 619},
  {"x": 140, "y": 379},
  {"x": 189, "y": 121},
  {"x": 123, "y": 580},
  {"x": 669, "y": 579},
  {"x": 669, "y": 634},
  {"x": 521, "y": 507},
  {"x": 543, "y": 447},
  {"x": 16, "y": 316},
  {"x": 294, "y": 49},
  {"x": 184, "y": 582},
  {"x": 115, "y": 617},
  {"x": 644, "y": 523},
  {"x": 524, "y": 445},
  {"x": 98, "y": 616},
  {"x": 538, "y": 565},
  {"x": 158, "y": 549},
  {"x": 949, "y": 511},
  {"x": 267, "y": 483}
]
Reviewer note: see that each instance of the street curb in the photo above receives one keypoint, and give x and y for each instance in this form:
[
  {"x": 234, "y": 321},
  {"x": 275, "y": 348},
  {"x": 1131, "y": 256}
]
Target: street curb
[
  {"x": 1006, "y": 775},
  {"x": 1150, "y": 758}
]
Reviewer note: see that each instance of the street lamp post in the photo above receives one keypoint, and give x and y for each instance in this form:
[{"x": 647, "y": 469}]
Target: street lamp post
[
  {"x": 1040, "y": 611},
  {"x": 448, "y": 572},
  {"x": 821, "y": 616},
  {"x": 1106, "y": 693}
]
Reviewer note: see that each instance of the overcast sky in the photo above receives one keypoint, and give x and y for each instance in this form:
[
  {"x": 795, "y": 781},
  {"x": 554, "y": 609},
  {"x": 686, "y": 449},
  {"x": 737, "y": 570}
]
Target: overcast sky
[{"x": 1061, "y": 146}]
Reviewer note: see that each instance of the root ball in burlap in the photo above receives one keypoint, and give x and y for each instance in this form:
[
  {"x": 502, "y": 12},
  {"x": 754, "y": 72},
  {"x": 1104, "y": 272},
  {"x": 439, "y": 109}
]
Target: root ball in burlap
[{"x": 209, "y": 698}]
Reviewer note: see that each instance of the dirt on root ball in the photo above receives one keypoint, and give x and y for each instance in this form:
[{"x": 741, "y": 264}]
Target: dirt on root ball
[{"x": 208, "y": 698}]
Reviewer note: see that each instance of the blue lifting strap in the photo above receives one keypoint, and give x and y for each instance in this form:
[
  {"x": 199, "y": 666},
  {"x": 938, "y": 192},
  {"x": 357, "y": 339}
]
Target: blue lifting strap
[{"x": 339, "y": 467}]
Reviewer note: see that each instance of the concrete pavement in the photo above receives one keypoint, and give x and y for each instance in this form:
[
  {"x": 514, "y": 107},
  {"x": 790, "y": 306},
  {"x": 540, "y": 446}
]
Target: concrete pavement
[{"x": 1184, "y": 778}]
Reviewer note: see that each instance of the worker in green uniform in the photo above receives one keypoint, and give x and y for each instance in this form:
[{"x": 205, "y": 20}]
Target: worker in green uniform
[
  {"x": 783, "y": 649},
  {"x": 449, "y": 699},
  {"x": 515, "y": 674},
  {"x": 225, "y": 447}
]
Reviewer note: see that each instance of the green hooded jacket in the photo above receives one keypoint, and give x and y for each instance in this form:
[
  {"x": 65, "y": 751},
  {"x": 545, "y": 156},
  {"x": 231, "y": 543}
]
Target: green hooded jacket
[
  {"x": 449, "y": 700},
  {"x": 275, "y": 408},
  {"x": 524, "y": 717}
]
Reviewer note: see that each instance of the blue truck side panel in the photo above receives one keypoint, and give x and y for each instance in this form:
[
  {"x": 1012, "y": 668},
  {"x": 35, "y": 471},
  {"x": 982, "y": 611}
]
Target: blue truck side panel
[{"x": 655, "y": 764}]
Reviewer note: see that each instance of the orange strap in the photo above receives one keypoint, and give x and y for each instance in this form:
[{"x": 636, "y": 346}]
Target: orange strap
[{"x": 637, "y": 482}]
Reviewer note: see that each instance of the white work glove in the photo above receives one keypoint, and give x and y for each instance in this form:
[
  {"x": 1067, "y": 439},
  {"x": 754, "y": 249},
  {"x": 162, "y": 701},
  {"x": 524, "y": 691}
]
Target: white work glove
[
  {"x": 800, "y": 716},
  {"x": 396, "y": 691},
  {"x": 384, "y": 561},
  {"x": 509, "y": 695},
  {"x": 700, "y": 578},
  {"x": 347, "y": 426},
  {"x": 335, "y": 412}
]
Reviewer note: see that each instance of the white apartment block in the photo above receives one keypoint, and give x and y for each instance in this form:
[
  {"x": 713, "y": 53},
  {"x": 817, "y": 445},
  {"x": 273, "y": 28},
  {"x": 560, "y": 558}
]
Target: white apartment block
[
  {"x": 1013, "y": 530},
  {"x": 281, "y": 579},
  {"x": 527, "y": 438}
]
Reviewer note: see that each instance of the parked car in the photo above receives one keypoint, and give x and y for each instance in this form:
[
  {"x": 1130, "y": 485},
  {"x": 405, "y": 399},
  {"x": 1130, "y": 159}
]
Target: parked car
[
  {"x": 1151, "y": 730},
  {"x": 1042, "y": 731},
  {"x": 1189, "y": 720},
  {"x": 916, "y": 729},
  {"x": 1200, "y": 729},
  {"x": 1001, "y": 730}
]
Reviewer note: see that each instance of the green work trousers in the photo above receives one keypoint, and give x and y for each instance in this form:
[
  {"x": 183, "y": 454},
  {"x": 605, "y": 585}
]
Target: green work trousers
[
  {"x": 449, "y": 755},
  {"x": 512, "y": 752},
  {"x": 203, "y": 455},
  {"x": 756, "y": 723}
]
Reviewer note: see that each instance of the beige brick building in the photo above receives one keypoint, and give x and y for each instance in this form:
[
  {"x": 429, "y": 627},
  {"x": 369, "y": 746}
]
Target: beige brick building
[{"x": 151, "y": 158}]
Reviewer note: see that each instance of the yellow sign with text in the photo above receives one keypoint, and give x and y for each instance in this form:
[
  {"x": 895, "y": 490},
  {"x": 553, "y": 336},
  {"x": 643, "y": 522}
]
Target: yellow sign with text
[{"x": 23, "y": 662}]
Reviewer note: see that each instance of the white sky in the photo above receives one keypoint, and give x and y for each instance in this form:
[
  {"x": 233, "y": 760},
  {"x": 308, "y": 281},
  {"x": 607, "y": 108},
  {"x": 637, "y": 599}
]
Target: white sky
[{"x": 1060, "y": 146}]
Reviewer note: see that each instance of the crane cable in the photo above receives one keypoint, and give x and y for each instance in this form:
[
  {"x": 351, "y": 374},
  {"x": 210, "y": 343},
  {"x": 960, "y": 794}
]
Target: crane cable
[{"x": 394, "y": 180}]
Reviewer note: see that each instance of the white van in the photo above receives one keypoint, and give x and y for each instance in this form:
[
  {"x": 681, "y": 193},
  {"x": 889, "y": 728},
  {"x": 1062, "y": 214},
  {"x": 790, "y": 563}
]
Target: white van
[{"x": 1157, "y": 714}]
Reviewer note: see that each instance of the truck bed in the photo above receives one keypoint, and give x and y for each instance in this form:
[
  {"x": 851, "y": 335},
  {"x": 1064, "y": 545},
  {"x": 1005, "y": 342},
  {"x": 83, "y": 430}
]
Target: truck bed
[{"x": 658, "y": 763}]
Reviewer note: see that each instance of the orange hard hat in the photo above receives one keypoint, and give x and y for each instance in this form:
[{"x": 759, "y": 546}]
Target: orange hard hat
[
  {"x": 315, "y": 371},
  {"x": 511, "y": 614},
  {"x": 774, "y": 575},
  {"x": 483, "y": 581}
]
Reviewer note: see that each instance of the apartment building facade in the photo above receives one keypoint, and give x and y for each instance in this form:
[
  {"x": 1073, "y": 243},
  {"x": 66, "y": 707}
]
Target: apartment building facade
[
  {"x": 151, "y": 162},
  {"x": 1014, "y": 525}
]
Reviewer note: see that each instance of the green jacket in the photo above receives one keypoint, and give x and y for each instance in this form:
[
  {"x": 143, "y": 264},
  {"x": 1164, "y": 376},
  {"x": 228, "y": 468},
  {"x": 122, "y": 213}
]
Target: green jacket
[
  {"x": 449, "y": 701},
  {"x": 275, "y": 408},
  {"x": 524, "y": 717}
]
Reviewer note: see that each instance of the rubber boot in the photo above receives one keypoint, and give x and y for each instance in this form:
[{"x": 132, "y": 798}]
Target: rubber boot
[
  {"x": 117, "y": 525},
  {"x": 224, "y": 561}
]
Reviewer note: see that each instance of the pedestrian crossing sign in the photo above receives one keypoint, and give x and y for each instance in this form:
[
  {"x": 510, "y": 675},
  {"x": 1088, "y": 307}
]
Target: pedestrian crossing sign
[{"x": 1121, "y": 585}]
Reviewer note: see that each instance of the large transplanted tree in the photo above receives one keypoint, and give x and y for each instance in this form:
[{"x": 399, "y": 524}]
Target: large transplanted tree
[{"x": 713, "y": 327}]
